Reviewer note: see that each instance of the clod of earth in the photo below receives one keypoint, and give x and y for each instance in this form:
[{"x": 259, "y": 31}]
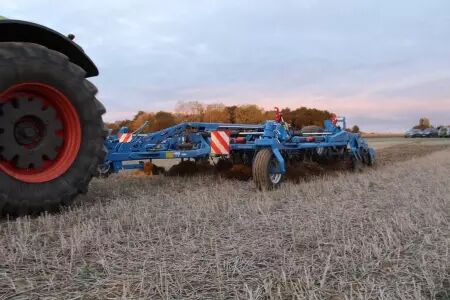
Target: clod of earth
[
  {"x": 190, "y": 168},
  {"x": 239, "y": 172}
]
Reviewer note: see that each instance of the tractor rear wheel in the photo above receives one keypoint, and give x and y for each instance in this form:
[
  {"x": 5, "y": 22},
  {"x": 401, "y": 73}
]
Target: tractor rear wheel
[
  {"x": 51, "y": 129},
  {"x": 264, "y": 171}
]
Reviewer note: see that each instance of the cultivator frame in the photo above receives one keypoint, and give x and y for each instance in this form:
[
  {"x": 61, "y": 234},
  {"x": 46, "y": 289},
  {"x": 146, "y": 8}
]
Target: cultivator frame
[{"x": 192, "y": 140}]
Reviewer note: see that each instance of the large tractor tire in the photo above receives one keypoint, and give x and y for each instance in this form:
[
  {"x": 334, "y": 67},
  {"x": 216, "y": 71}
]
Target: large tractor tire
[
  {"x": 51, "y": 129},
  {"x": 263, "y": 170}
]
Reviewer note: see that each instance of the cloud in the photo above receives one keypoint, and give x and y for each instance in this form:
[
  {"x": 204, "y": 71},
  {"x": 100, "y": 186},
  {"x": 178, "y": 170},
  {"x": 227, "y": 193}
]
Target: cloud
[
  {"x": 436, "y": 89},
  {"x": 370, "y": 60}
]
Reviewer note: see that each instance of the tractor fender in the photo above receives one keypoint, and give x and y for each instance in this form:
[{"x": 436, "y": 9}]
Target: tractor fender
[{"x": 27, "y": 32}]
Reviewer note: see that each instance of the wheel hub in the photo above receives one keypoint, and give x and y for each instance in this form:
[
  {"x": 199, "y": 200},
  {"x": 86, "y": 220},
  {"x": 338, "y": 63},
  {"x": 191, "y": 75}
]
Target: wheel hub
[
  {"x": 274, "y": 174},
  {"x": 30, "y": 132}
]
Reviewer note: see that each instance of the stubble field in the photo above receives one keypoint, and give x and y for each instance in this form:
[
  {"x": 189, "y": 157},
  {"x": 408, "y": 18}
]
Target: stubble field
[{"x": 381, "y": 234}]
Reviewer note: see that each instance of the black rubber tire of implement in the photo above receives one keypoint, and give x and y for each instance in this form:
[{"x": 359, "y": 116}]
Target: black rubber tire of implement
[
  {"x": 26, "y": 62},
  {"x": 260, "y": 170}
]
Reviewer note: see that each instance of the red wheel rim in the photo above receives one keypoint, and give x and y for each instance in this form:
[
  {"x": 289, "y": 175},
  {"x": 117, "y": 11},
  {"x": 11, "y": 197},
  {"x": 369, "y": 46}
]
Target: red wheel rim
[{"x": 70, "y": 133}]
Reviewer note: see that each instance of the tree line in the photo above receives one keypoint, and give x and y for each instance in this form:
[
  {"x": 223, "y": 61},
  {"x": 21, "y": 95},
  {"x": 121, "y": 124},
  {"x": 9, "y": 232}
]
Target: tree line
[
  {"x": 423, "y": 124},
  {"x": 195, "y": 111}
]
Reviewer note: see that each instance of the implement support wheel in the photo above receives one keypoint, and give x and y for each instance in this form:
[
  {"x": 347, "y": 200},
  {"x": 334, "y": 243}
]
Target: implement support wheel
[{"x": 265, "y": 170}]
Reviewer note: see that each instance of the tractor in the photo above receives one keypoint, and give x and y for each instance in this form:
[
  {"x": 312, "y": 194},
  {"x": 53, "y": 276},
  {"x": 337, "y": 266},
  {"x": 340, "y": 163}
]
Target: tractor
[{"x": 51, "y": 128}]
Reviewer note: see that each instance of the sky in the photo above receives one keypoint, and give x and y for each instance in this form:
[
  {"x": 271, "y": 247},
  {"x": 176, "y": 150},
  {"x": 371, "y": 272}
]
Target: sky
[{"x": 382, "y": 64}]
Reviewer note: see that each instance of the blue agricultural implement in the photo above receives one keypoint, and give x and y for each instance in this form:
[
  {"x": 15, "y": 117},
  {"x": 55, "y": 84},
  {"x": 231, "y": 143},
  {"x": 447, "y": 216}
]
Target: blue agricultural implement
[{"x": 267, "y": 147}]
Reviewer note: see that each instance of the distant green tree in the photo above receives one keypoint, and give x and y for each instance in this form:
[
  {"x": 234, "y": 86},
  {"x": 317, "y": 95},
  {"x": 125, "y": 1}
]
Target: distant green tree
[
  {"x": 423, "y": 124},
  {"x": 217, "y": 112},
  {"x": 355, "y": 129},
  {"x": 303, "y": 116},
  {"x": 190, "y": 111},
  {"x": 163, "y": 120},
  {"x": 248, "y": 114},
  {"x": 139, "y": 119},
  {"x": 231, "y": 111}
]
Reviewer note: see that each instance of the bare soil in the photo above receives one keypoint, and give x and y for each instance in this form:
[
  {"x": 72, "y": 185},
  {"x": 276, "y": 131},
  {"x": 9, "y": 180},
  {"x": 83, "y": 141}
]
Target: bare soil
[
  {"x": 380, "y": 234},
  {"x": 296, "y": 173},
  {"x": 397, "y": 153}
]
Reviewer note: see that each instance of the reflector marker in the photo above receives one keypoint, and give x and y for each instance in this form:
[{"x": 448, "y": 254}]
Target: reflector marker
[
  {"x": 220, "y": 142},
  {"x": 125, "y": 137}
]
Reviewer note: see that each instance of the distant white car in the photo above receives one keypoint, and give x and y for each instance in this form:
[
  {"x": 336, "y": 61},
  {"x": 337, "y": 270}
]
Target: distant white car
[
  {"x": 444, "y": 131},
  {"x": 430, "y": 132},
  {"x": 412, "y": 133}
]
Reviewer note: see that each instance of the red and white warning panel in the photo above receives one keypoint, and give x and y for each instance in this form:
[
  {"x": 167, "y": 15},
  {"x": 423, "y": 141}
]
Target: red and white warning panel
[
  {"x": 125, "y": 137},
  {"x": 220, "y": 142}
]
